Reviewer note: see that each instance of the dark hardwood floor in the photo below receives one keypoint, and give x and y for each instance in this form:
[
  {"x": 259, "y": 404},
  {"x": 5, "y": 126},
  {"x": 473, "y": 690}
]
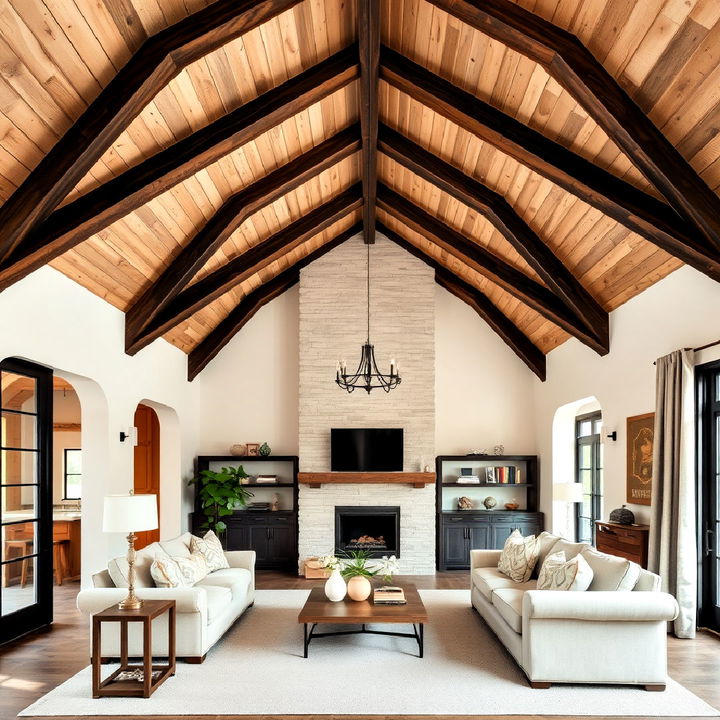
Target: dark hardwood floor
[{"x": 32, "y": 666}]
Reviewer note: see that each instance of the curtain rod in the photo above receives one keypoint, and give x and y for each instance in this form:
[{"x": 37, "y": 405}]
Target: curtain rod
[{"x": 702, "y": 347}]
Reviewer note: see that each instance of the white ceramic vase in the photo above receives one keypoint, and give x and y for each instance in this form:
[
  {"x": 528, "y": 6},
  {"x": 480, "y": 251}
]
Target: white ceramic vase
[
  {"x": 359, "y": 588},
  {"x": 335, "y": 587}
]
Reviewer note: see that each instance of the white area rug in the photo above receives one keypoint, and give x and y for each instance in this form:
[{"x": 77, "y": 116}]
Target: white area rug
[{"x": 258, "y": 668}]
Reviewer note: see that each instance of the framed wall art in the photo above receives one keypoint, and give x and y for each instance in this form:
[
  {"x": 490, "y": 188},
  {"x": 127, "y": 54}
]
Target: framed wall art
[{"x": 640, "y": 440}]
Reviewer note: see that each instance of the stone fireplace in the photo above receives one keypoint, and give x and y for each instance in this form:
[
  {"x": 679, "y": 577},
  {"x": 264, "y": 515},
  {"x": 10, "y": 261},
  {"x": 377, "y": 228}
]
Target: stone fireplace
[{"x": 375, "y": 528}]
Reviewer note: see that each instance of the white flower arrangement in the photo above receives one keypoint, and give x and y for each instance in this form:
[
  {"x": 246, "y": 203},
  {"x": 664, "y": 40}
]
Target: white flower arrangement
[
  {"x": 330, "y": 562},
  {"x": 387, "y": 567}
]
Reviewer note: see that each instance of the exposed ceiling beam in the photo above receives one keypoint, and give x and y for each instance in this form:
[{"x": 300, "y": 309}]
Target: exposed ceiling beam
[
  {"x": 477, "y": 258},
  {"x": 253, "y": 261},
  {"x": 201, "y": 355},
  {"x": 78, "y": 220},
  {"x": 159, "y": 59},
  {"x": 516, "y": 340},
  {"x": 502, "y": 215},
  {"x": 576, "y": 69},
  {"x": 635, "y": 209},
  {"x": 231, "y": 214},
  {"x": 369, "y": 46}
]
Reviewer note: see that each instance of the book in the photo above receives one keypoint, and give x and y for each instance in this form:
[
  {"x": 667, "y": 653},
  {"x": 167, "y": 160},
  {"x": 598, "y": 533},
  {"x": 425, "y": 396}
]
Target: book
[
  {"x": 389, "y": 595},
  {"x": 266, "y": 479},
  {"x": 468, "y": 480}
]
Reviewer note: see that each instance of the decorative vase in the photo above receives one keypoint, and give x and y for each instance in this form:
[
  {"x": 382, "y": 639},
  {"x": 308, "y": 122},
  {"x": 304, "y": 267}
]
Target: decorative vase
[
  {"x": 237, "y": 450},
  {"x": 359, "y": 588},
  {"x": 264, "y": 450},
  {"x": 335, "y": 587}
]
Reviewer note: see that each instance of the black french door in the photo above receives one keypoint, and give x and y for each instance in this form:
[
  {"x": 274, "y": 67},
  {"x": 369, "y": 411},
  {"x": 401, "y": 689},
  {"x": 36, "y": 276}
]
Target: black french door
[
  {"x": 589, "y": 472},
  {"x": 25, "y": 498}
]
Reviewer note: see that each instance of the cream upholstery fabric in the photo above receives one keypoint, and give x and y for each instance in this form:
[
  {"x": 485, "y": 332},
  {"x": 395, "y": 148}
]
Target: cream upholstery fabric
[
  {"x": 571, "y": 549},
  {"x": 611, "y": 572},
  {"x": 237, "y": 580},
  {"x": 509, "y": 602},
  {"x": 211, "y": 549},
  {"x": 489, "y": 579},
  {"x": 178, "y": 571},
  {"x": 546, "y": 543},
  {"x": 518, "y": 557},
  {"x": 218, "y": 601},
  {"x": 558, "y": 574},
  {"x": 118, "y": 568},
  {"x": 177, "y": 547}
]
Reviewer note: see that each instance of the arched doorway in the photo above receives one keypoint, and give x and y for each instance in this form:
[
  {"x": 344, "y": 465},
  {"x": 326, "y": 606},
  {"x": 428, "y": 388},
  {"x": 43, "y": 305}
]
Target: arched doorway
[{"x": 147, "y": 464}]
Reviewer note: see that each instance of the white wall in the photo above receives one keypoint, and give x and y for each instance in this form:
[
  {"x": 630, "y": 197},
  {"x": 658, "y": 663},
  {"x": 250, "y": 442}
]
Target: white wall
[
  {"x": 483, "y": 391},
  {"x": 679, "y": 311},
  {"x": 49, "y": 319}
]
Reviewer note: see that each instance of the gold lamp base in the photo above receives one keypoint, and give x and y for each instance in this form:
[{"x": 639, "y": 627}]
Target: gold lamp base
[{"x": 131, "y": 602}]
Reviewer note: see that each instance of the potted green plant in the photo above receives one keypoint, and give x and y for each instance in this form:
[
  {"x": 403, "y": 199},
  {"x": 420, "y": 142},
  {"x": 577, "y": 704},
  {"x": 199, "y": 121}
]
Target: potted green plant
[
  {"x": 221, "y": 492},
  {"x": 357, "y": 572}
]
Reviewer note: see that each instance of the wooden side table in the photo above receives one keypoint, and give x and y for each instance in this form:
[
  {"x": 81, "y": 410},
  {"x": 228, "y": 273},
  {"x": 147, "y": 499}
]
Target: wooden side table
[
  {"x": 111, "y": 686},
  {"x": 628, "y": 541}
]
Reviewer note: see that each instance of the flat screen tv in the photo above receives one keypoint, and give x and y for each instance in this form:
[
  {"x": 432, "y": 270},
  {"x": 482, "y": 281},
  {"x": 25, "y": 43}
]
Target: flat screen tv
[{"x": 366, "y": 449}]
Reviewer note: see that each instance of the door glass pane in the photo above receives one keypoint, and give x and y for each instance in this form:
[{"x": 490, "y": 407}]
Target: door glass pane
[
  {"x": 585, "y": 530},
  {"x": 18, "y": 503},
  {"x": 18, "y": 392},
  {"x": 597, "y": 427},
  {"x": 585, "y": 477},
  {"x": 18, "y": 585},
  {"x": 18, "y": 540},
  {"x": 585, "y": 428},
  {"x": 18, "y": 431},
  {"x": 585, "y": 460},
  {"x": 18, "y": 468}
]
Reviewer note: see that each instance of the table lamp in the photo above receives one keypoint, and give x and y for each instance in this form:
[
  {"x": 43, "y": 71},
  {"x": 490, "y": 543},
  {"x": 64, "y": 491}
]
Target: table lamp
[
  {"x": 569, "y": 492},
  {"x": 130, "y": 514}
]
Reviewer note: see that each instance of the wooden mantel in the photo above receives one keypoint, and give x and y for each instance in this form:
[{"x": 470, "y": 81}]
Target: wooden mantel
[{"x": 416, "y": 479}]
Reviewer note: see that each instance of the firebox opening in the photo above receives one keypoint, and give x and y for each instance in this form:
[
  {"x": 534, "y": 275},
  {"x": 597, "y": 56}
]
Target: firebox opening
[{"x": 376, "y": 529}]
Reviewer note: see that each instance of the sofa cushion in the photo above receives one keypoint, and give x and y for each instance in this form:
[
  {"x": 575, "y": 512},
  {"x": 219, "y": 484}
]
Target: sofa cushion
[
  {"x": 559, "y": 574},
  {"x": 546, "y": 541},
  {"x": 211, "y": 549},
  {"x": 571, "y": 549},
  {"x": 611, "y": 572},
  {"x": 118, "y": 568},
  {"x": 519, "y": 556},
  {"x": 489, "y": 579},
  {"x": 178, "y": 571},
  {"x": 508, "y": 602},
  {"x": 237, "y": 580},
  {"x": 219, "y": 600},
  {"x": 177, "y": 547}
]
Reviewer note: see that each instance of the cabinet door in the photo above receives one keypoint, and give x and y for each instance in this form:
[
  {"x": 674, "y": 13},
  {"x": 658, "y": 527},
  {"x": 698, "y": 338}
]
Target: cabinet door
[
  {"x": 236, "y": 537},
  {"x": 259, "y": 541},
  {"x": 479, "y": 536},
  {"x": 500, "y": 533},
  {"x": 282, "y": 545},
  {"x": 455, "y": 546}
]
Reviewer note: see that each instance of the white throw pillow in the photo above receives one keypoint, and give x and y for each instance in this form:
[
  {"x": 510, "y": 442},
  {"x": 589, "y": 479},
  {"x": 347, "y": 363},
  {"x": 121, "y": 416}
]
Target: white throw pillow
[
  {"x": 611, "y": 572},
  {"x": 210, "y": 547},
  {"x": 557, "y": 573},
  {"x": 518, "y": 557},
  {"x": 171, "y": 572}
]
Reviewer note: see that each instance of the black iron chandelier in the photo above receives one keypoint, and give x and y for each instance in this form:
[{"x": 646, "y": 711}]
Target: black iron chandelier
[{"x": 367, "y": 376}]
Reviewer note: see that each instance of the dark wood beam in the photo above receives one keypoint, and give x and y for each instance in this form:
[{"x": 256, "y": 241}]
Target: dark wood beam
[
  {"x": 78, "y": 220},
  {"x": 577, "y": 70},
  {"x": 369, "y": 45},
  {"x": 159, "y": 59},
  {"x": 253, "y": 261},
  {"x": 502, "y": 215},
  {"x": 231, "y": 214},
  {"x": 201, "y": 355},
  {"x": 476, "y": 257},
  {"x": 644, "y": 214},
  {"x": 514, "y": 338}
]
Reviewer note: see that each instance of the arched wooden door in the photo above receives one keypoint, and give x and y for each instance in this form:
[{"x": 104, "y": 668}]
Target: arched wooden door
[{"x": 147, "y": 464}]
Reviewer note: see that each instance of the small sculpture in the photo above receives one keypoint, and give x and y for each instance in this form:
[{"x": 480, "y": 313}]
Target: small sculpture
[
  {"x": 464, "y": 503},
  {"x": 237, "y": 450},
  {"x": 264, "y": 449},
  {"x": 622, "y": 516},
  {"x": 498, "y": 449},
  {"x": 489, "y": 502},
  {"x": 275, "y": 502}
]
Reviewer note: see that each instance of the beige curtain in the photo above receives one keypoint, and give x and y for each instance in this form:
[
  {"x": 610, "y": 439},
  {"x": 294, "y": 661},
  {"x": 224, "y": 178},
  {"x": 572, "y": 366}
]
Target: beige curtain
[{"x": 673, "y": 540}]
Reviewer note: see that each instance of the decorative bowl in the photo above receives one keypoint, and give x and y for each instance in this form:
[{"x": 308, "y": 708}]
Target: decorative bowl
[{"x": 512, "y": 506}]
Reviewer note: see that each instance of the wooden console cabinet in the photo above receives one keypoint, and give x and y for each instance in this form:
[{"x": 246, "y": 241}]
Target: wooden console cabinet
[{"x": 628, "y": 541}]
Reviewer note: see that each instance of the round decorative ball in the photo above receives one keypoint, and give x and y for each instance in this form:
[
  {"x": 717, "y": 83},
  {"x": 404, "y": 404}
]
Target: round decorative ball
[
  {"x": 623, "y": 516},
  {"x": 264, "y": 449},
  {"x": 359, "y": 588},
  {"x": 238, "y": 450},
  {"x": 489, "y": 502}
]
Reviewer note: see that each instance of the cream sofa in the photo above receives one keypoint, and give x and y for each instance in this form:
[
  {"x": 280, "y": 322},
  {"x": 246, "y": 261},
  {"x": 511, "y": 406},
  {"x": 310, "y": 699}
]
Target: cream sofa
[
  {"x": 204, "y": 612},
  {"x": 613, "y": 633}
]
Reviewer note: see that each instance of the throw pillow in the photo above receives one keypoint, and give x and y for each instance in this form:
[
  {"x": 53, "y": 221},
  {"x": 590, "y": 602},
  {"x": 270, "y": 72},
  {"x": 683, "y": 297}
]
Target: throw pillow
[
  {"x": 557, "y": 573},
  {"x": 611, "y": 572},
  {"x": 519, "y": 556},
  {"x": 178, "y": 571},
  {"x": 211, "y": 549}
]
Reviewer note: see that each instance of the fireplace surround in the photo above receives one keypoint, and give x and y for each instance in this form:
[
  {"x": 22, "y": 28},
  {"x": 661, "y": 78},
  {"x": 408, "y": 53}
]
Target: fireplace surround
[{"x": 375, "y": 528}]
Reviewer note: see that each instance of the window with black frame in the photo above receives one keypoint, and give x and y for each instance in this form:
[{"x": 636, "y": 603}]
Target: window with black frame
[
  {"x": 72, "y": 474},
  {"x": 589, "y": 471}
]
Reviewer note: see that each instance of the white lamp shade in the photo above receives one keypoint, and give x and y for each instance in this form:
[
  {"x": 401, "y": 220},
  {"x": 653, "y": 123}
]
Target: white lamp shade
[
  {"x": 129, "y": 513},
  {"x": 570, "y": 492}
]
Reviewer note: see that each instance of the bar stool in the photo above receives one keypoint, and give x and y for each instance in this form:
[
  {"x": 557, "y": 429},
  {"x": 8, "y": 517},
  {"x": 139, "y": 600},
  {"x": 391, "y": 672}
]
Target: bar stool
[
  {"x": 60, "y": 559},
  {"x": 24, "y": 545}
]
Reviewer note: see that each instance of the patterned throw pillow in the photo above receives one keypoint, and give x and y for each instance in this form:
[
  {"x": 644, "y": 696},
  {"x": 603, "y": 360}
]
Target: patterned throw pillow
[
  {"x": 171, "y": 572},
  {"x": 557, "y": 573},
  {"x": 211, "y": 549},
  {"x": 519, "y": 556}
]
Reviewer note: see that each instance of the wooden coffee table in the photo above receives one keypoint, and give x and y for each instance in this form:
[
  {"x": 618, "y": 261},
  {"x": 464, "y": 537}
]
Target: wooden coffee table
[{"x": 318, "y": 610}]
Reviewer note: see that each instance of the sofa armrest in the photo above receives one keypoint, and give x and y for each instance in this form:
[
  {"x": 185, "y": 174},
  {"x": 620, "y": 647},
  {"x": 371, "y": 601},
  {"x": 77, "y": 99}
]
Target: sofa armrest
[
  {"x": 611, "y": 606},
  {"x": 241, "y": 559},
  {"x": 187, "y": 599},
  {"x": 484, "y": 558}
]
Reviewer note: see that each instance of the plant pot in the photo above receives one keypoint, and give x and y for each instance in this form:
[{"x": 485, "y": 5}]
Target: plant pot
[
  {"x": 359, "y": 588},
  {"x": 335, "y": 587}
]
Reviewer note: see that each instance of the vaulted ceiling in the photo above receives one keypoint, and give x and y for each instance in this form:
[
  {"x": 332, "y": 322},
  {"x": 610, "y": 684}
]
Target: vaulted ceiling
[{"x": 550, "y": 159}]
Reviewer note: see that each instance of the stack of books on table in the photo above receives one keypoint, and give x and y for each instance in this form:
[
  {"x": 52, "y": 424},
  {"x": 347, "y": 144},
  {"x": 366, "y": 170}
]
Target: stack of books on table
[
  {"x": 258, "y": 506},
  {"x": 389, "y": 596},
  {"x": 266, "y": 480},
  {"x": 468, "y": 480}
]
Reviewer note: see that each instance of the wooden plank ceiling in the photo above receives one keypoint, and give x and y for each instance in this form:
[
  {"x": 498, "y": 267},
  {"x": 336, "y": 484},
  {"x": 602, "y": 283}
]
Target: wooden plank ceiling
[{"x": 56, "y": 56}]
